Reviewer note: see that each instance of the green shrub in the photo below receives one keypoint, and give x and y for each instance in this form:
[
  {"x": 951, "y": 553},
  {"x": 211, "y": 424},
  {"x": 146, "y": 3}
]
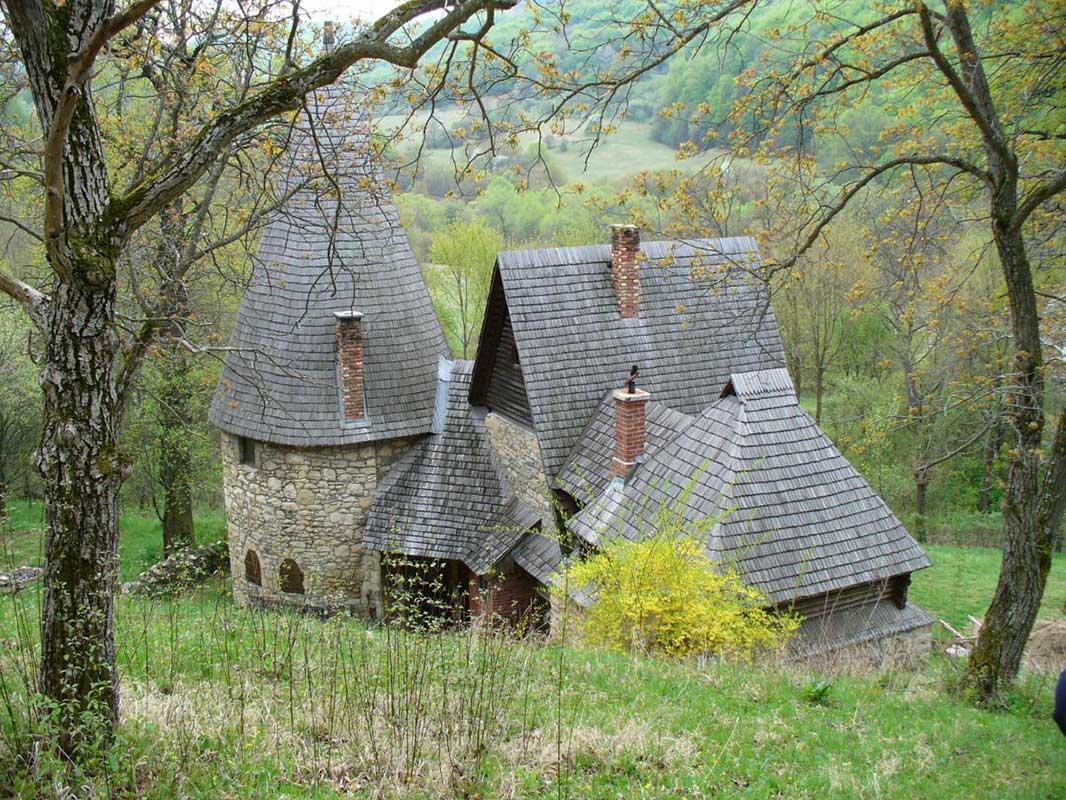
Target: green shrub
[{"x": 665, "y": 595}]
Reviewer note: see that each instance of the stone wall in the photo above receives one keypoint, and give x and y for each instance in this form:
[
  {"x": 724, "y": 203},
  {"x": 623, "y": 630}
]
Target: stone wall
[
  {"x": 518, "y": 453},
  {"x": 310, "y": 505}
]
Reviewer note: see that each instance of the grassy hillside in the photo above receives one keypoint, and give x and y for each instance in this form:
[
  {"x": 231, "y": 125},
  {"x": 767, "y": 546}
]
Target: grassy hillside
[
  {"x": 219, "y": 702},
  {"x": 962, "y": 580}
]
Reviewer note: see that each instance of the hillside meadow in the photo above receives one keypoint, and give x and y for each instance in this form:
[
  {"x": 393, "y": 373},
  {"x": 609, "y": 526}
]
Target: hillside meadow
[{"x": 222, "y": 702}]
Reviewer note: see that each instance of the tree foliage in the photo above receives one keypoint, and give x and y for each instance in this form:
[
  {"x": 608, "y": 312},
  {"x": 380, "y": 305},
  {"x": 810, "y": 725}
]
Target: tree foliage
[{"x": 463, "y": 255}]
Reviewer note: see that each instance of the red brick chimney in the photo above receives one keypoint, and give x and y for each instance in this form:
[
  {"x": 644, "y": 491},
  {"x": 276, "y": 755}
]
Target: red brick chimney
[
  {"x": 350, "y": 362},
  {"x": 629, "y": 432},
  {"x": 625, "y": 268}
]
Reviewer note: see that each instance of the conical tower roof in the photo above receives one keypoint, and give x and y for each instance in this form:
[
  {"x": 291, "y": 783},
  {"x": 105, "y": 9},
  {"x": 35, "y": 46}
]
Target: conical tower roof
[{"x": 335, "y": 247}]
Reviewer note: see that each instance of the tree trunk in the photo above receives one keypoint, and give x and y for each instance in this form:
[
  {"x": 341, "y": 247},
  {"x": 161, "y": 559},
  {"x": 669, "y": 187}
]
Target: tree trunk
[
  {"x": 819, "y": 376},
  {"x": 175, "y": 461},
  {"x": 82, "y": 470},
  {"x": 921, "y": 486},
  {"x": 992, "y": 448},
  {"x": 1029, "y": 524}
]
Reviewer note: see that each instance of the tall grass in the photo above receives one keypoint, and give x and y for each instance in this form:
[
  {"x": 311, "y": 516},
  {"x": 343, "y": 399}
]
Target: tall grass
[
  {"x": 391, "y": 710},
  {"x": 219, "y": 701}
]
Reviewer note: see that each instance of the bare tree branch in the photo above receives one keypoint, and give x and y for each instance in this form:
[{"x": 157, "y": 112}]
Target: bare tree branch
[
  {"x": 286, "y": 94},
  {"x": 35, "y": 303},
  {"x": 1038, "y": 195}
]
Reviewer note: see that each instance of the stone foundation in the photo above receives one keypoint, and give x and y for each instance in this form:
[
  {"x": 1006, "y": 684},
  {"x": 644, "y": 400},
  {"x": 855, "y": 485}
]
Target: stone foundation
[{"x": 308, "y": 505}]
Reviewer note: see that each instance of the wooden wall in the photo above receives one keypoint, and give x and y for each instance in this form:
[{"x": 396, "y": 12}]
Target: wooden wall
[{"x": 507, "y": 388}]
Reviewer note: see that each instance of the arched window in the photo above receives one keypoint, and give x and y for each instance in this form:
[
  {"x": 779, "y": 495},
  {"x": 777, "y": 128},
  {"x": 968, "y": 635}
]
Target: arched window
[
  {"x": 292, "y": 577},
  {"x": 253, "y": 573}
]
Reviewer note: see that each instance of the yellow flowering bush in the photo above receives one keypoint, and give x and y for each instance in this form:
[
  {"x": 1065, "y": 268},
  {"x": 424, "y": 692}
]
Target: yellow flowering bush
[{"x": 665, "y": 595}]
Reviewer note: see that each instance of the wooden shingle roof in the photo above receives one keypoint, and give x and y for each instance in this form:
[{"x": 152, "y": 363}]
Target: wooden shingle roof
[
  {"x": 692, "y": 333},
  {"x": 586, "y": 471},
  {"x": 777, "y": 498},
  {"x": 447, "y": 498},
  {"x": 321, "y": 254}
]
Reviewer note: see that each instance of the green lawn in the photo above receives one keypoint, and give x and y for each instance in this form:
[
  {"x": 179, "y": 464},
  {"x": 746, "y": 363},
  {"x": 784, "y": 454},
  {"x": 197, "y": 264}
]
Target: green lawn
[
  {"x": 141, "y": 544},
  {"x": 962, "y": 580}
]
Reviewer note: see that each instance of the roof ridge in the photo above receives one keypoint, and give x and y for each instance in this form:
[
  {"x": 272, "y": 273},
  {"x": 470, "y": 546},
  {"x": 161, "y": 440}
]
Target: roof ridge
[{"x": 739, "y": 244}]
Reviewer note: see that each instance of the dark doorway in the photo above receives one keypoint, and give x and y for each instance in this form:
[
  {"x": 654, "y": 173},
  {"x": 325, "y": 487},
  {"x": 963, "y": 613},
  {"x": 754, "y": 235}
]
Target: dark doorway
[
  {"x": 253, "y": 572},
  {"x": 424, "y": 592},
  {"x": 292, "y": 577}
]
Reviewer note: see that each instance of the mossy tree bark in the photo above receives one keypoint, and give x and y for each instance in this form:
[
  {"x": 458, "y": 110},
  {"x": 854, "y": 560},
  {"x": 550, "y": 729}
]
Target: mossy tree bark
[
  {"x": 82, "y": 470},
  {"x": 1033, "y": 501},
  {"x": 175, "y": 458},
  {"x": 1036, "y": 485},
  {"x": 175, "y": 404}
]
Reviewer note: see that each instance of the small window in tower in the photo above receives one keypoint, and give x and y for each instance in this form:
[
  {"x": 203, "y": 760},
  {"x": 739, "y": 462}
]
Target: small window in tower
[
  {"x": 246, "y": 448},
  {"x": 253, "y": 573},
  {"x": 292, "y": 577}
]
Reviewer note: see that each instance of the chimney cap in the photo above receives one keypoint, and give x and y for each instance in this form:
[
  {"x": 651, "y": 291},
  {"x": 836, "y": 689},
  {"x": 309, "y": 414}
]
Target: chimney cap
[
  {"x": 622, "y": 226},
  {"x": 636, "y": 396},
  {"x": 344, "y": 315}
]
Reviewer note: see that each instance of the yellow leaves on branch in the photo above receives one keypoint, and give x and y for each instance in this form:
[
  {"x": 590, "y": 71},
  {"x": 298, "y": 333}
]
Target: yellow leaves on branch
[{"x": 664, "y": 595}]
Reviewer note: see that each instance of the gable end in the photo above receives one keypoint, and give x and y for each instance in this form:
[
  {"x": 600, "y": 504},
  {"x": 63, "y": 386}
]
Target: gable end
[{"x": 498, "y": 382}]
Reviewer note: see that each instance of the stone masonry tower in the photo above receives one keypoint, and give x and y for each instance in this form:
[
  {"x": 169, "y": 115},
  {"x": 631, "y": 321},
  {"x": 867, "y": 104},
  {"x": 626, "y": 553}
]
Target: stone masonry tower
[{"x": 331, "y": 374}]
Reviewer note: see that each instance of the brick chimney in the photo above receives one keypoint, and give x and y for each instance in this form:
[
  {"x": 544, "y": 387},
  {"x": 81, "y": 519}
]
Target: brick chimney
[
  {"x": 625, "y": 268},
  {"x": 350, "y": 362},
  {"x": 629, "y": 431}
]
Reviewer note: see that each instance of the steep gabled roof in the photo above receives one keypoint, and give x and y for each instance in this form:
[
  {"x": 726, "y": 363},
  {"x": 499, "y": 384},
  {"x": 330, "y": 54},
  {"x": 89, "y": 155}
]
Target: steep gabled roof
[
  {"x": 700, "y": 319},
  {"x": 446, "y": 498},
  {"x": 780, "y": 500},
  {"x": 323, "y": 253}
]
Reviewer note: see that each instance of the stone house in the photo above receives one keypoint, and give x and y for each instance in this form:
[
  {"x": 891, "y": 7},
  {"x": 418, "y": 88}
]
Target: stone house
[{"x": 348, "y": 433}]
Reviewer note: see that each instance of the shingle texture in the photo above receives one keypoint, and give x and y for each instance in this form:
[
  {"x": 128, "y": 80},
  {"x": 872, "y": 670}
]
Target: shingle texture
[
  {"x": 323, "y": 253},
  {"x": 587, "y": 470},
  {"x": 446, "y": 498},
  {"x": 539, "y": 555},
  {"x": 700, "y": 320},
  {"x": 770, "y": 492}
]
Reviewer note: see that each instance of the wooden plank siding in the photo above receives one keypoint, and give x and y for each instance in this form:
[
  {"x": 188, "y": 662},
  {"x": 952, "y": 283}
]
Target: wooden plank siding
[
  {"x": 893, "y": 590},
  {"x": 498, "y": 382},
  {"x": 507, "y": 388}
]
